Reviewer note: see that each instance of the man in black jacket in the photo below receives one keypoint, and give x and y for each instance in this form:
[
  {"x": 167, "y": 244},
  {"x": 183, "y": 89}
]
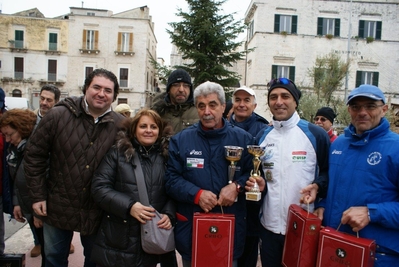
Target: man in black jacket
[{"x": 73, "y": 136}]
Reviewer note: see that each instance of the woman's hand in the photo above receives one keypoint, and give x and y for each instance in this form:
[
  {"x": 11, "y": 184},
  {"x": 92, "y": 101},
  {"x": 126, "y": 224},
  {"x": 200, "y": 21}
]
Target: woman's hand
[
  {"x": 142, "y": 213},
  {"x": 18, "y": 214},
  {"x": 164, "y": 222},
  {"x": 37, "y": 222}
]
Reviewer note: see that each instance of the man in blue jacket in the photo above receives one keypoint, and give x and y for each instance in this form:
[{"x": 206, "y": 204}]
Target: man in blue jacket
[
  {"x": 363, "y": 191},
  {"x": 244, "y": 104},
  {"x": 197, "y": 174}
]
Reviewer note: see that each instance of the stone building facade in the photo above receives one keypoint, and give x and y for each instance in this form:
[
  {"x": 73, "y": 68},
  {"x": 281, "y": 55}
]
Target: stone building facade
[
  {"x": 288, "y": 36},
  {"x": 65, "y": 49}
]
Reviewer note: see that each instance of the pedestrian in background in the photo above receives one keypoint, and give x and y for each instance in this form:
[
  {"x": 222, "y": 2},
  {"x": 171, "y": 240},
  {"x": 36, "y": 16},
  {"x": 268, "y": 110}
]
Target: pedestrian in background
[
  {"x": 5, "y": 184},
  {"x": 124, "y": 109},
  {"x": 16, "y": 125},
  {"x": 176, "y": 105},
  {"x": 325, "y": 118}
]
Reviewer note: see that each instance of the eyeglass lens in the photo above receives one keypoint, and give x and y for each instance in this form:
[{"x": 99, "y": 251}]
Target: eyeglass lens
[{"x": 320, "y": 119}]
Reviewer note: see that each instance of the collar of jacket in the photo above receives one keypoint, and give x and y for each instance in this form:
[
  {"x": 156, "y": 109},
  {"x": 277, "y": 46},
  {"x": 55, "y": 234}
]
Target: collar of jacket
[
  {"x": 216, "y": 133},
  {"x": 363, "y": 139},
  {"x": 76, "y": 105},
  {"x": 247, "y": 123},
  {"x": 288, "y": 124}
]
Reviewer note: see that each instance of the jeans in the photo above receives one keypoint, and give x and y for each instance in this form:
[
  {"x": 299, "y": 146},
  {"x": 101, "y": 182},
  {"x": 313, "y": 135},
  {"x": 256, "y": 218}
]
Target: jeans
[{"x": 57, "y": 243}]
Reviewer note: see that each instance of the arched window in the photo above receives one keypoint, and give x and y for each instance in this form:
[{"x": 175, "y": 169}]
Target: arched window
[{"x": 16, "y": 93}]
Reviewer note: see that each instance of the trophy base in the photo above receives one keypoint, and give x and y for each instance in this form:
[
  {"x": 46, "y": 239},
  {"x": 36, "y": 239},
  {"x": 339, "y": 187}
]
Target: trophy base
[{"x": 253, "y": 196}]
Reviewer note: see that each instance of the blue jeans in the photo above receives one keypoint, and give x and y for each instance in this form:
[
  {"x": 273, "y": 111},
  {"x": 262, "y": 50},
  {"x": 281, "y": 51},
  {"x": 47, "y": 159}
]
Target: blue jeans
[{"x": 57, "y": 243}]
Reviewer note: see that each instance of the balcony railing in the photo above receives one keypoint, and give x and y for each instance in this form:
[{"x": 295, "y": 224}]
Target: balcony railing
[
  {"x": 52, "y": 46},
  {"x": 123, "y": 83},
  {"x": 18, "y": 44},
  {"x": 18, "y": 75},
  {"x": 52, "y": 76}
]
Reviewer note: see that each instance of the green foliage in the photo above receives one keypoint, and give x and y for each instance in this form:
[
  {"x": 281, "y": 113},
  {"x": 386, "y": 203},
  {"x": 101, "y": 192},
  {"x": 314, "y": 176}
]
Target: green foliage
[
  {"x": 309, "y": 104},
  {"x": 163, "y": 72},
  {"x": 329, "y": 36},
  {"x": 328, "y": 74},
  {"x": 369, "y": 39},
  {"x": 207, "y": 41}
]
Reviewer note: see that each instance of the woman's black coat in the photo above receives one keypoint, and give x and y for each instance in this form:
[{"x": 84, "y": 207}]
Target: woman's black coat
[{"x": 114, "y": 188}]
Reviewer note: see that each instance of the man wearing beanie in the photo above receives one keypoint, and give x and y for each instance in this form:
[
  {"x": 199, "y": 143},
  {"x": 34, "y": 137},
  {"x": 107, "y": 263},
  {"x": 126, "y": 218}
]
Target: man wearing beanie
[
  {"x": 363, "y": 189},
  {"x": 325, "y": 118},
  {"x": 176, "y": 105},
  {"x": 296, "y": 158}
]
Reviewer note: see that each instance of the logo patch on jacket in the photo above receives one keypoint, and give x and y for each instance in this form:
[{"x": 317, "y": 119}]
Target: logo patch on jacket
[
  {"x": 374, "y": 158},
  {"x": 195, "y": 163},
  {"x": 299, "y": 156}
]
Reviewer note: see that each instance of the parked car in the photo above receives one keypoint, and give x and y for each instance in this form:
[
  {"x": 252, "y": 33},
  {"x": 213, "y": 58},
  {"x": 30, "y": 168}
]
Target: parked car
[{"x": 16, "y": 102}]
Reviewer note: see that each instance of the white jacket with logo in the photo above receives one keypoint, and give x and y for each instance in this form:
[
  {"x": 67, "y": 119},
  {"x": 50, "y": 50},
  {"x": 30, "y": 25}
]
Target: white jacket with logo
[{"x": 296, "y": 156}]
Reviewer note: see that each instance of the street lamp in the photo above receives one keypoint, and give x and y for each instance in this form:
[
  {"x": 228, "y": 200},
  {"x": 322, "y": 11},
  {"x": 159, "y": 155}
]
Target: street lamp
[{"x": 348, "y": 49}]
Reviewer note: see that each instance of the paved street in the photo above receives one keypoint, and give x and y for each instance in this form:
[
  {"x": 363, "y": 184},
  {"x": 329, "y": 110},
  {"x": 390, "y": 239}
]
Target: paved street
[{"x": 19, "y": 240}]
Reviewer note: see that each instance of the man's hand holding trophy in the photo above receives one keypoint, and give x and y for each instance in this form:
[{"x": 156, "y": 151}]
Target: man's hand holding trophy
[{"x": 256, "y": 184}]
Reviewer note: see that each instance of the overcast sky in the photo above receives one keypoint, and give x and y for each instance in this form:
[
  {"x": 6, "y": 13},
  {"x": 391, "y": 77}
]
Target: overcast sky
[{"x": 162, "y": 12}]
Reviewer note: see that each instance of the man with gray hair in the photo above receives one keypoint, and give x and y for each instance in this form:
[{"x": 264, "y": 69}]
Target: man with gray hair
[
  {"x": 244, "y": 104},
  {"x": 197, "y": 174}
]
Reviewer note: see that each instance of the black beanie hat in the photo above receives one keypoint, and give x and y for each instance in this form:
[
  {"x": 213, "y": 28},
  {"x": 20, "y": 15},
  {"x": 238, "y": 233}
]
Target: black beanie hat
[
  {"x": 286, "y": 84},
  {"x": 178, "y": 76},
  {"x": 327, "y": 113}
]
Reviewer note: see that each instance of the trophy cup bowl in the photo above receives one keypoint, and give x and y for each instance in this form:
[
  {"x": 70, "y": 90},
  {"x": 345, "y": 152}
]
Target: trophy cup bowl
[
  {"x": 233, "y": 154},
  {"x": 257, "y": 151}
]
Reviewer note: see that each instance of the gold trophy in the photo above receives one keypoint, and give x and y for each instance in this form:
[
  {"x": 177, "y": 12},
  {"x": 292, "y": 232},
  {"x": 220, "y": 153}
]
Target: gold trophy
[
  {"x": 233, "y": 154},
  {"x": 257, "y": 151}
]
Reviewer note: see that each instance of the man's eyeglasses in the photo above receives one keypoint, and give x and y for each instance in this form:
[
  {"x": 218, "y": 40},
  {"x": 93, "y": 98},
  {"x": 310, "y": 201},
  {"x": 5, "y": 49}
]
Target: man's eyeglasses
[
  {"x": 177, "y": 85},
  {"x": 322, "y": 119},
  {"x": 8, "y": 135},
  {"x": 368, "y": 107},
  {"x": 279, "y": 81}
]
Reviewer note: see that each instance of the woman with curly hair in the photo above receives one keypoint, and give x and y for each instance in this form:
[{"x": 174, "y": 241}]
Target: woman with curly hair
[
  {"x": 17, "y": 125},
  {"x": 115, "y": 189}
]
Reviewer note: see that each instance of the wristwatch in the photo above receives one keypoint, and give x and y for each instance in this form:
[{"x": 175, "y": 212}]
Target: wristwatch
[{"x": 239, "y": 188}]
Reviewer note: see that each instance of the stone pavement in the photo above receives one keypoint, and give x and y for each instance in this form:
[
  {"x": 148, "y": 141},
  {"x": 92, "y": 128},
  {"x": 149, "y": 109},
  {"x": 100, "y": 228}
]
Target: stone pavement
[{"x": 21, "y": 242}]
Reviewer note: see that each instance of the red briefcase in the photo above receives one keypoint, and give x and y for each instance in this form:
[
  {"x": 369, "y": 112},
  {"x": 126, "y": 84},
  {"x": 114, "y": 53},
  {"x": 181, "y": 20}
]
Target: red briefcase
[
  {"x": 301, "y": 238},
  {"x": 213, "y": 240},
  {"x": 342, "y": 249}
]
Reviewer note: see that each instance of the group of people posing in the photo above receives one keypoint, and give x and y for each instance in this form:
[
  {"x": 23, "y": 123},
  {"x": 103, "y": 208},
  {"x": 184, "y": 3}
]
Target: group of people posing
[{"x": 75, "y": 170}]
